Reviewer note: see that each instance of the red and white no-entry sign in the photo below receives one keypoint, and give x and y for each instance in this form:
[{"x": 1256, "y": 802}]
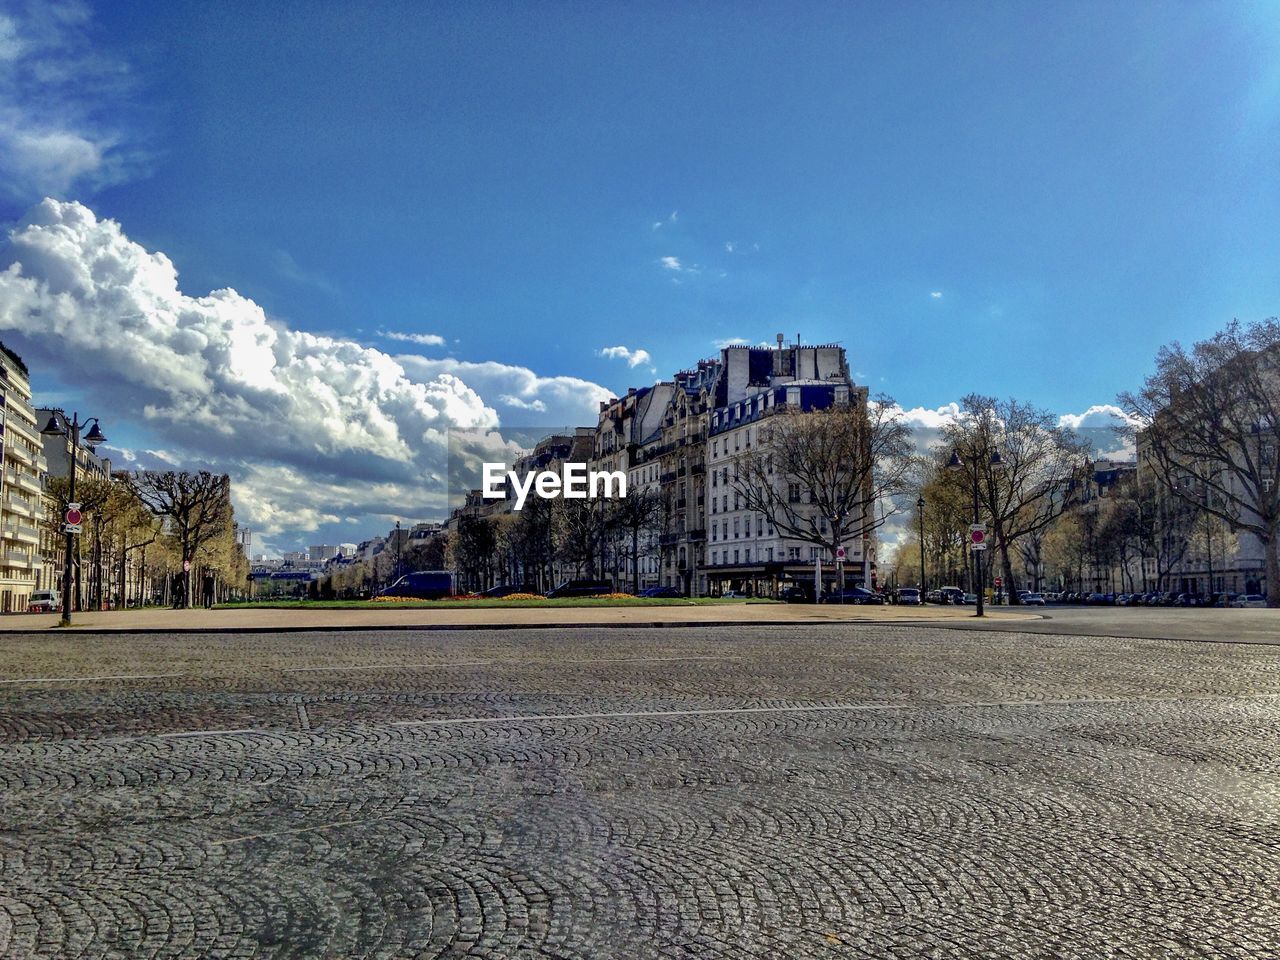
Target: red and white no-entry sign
[
  {"x": 73, "y": 514},
  {"x": 840, "y": 554}
]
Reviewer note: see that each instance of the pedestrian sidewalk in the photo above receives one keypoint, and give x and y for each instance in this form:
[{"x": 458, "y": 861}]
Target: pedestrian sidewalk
[{"x": 243, "y": 619}]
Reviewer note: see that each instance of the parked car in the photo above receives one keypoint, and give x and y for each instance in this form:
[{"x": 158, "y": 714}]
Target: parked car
[
  {"x": 1250, "y": 600},
  {"x": 969, "y": 598},
  {"x": 951, "y": 595},
  {"x": 795, "y": 595},
  {"x": 580, "y": 588},
  {"x": 422, "y": 585},
  {"x": 735, "y": 595},
  {"x": 506, "y": 590},
  {"x": 909, "y": 597},
  {"x": 43, "y": 601},
  {"x": 1032, "y": 599},
  {"x": 660, "y": 593},
  {"x": 852, "y": 595}
]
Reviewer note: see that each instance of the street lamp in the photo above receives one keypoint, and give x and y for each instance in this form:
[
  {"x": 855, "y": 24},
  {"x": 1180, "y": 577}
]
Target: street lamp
[
  {"x": 398, "y": 546},
  {"x": 60, "y": 426},
  {"x": 996, "y": 462},
  {"x": 920, "y": 516}
]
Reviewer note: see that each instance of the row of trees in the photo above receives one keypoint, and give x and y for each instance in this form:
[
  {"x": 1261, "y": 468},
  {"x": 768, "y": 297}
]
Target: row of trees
[
  {"x": 142, "y": 529},
  {"x": 590, "y": 538},
  {"x": 1206, "y": 426}
]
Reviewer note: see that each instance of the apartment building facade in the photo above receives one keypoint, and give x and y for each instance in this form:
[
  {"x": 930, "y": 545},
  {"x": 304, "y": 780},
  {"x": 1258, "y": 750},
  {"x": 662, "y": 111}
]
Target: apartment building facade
[{"x": 22, "y": 506}]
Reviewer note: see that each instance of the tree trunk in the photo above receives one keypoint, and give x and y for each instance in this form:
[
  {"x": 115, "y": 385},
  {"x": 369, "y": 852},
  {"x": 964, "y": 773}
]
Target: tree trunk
[
  {"x": 1271, "y": 558},
  {"x": 1006, "y": 565}
]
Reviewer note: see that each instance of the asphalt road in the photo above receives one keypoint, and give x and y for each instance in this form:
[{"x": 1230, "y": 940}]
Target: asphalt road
[
  {"x": 831, "y": 791},
  {"x": 1231, "y": 625}
]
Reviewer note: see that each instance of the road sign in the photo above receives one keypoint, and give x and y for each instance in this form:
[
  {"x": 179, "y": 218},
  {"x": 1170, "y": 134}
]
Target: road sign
[
  {"x": 999, "y": 582},
  {"x": 977, "y": 546},
  {"x": 73, "y": 516},
  {"x": 840, "y": 554},
  {"x": 71, "y": 527},
  {"x": 978, "y": 535}
]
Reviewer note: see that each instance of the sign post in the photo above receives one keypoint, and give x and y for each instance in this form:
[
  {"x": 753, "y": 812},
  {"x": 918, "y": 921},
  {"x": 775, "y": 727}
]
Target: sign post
[{"x": 977, "y": 544}]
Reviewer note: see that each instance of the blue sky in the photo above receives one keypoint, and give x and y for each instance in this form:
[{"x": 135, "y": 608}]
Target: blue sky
[{"x": 1021, "y": 199}]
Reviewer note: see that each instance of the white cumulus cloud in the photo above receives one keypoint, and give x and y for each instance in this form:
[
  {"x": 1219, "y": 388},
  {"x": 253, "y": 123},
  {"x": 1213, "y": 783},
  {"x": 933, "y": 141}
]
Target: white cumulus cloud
[
  {"x": 634, "y": 358},
  {"x": 422, "y": 339},
  {"x": 309, "y": 426}
]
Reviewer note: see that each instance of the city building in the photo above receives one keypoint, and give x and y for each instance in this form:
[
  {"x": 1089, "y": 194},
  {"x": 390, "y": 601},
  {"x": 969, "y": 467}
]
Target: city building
[{"x": 22, "y": 504}]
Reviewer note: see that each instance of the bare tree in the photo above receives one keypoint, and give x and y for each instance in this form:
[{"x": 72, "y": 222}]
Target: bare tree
[
  {"x": 825, "y": 476},
  {"x": 637, "y": 517},
  {"x": 1027, "y": 487},
  {"x": 1210, "y": 427},
  {"x": 196, "y": 505}
]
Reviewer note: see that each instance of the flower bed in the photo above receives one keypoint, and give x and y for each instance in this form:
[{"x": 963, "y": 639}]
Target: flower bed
[{"x": 524, "y": 596}]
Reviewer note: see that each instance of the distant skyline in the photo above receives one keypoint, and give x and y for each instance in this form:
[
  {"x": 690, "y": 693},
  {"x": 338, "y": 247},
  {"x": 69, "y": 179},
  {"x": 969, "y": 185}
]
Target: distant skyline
[{"x": 437, "y": 215}]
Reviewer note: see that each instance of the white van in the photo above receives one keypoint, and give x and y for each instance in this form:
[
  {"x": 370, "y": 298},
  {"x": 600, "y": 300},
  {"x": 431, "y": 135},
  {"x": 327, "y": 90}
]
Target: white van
[{"x": 43, "y": 601}]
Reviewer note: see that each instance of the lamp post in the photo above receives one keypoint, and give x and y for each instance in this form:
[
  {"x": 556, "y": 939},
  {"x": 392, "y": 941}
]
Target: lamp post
[
  {"x": 995, "y": 462},
  {"x": 60, "y": 426},
  {"x": 920, "y": 516},
  {"x": 397, "y": 576}
]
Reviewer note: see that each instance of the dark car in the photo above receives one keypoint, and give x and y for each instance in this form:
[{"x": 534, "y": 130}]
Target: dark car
[
  {"x": 852, "y": 595},
  {"x": 580, "y": 588},
  {"x": 506, "y": 590},
  {"x": 795, "y": 595},
  {"x": 661, "y": 593},
  {"x": 422, "y": 585}
]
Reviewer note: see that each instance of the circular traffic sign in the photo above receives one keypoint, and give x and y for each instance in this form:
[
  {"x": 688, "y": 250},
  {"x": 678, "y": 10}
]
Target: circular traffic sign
[
  {"x": 73, "y": 517},
  {"x": 977, "y": 536},
  {"x": 840, "y": 554}
]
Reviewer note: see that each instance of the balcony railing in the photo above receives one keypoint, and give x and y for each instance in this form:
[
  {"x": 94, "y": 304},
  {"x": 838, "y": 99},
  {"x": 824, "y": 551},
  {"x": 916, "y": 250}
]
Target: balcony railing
[
  {"x": 19, "y": 506},
  {"x": 18, "y": 453},
  {"x": 21, "y": 533}
]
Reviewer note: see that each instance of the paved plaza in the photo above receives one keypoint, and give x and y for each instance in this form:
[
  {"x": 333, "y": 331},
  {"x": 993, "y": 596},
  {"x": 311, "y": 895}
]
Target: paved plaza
[{"x": 830, "y": 790}]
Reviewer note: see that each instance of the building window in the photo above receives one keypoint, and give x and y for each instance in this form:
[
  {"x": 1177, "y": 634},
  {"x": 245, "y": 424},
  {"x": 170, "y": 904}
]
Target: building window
[
  {"x": 793, "y": 493},
  {"x": 747, "y": 556},
  {"x": 769, "y": 554},
  {"x": 735, "y": 556},
  {"x": 793, "y": 553}
]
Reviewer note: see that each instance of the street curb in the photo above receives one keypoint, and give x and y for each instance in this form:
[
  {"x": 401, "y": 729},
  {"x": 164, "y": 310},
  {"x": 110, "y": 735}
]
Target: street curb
[{"x": 438, "y": 627}]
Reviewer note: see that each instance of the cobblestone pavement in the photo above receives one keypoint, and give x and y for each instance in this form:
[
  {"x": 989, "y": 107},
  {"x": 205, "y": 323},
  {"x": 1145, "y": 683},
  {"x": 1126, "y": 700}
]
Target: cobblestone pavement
[{"x": 836, "y": 792}]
